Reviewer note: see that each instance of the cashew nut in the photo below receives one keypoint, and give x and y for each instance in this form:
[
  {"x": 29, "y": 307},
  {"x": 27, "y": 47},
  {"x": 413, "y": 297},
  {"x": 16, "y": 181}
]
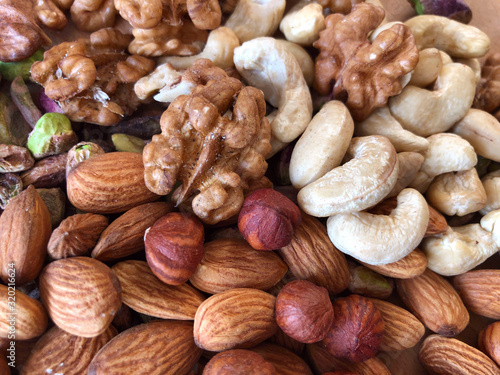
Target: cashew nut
[
  {"x": 459, "y": 249},
  {"x": 474, "y": 64},
  {"x": 425, "y": 112},
  {"x": 482, "y": 130},
  {"x": 428, "y": 68},
  {"x": 457, "y": 193},
  {"x": 382, "y": 239},
  {"x": 362, "y": 182},
  {"x": 303, "y": 23},
  {"x": 409, "y": 165},
  {"x": 265, "y": 64},
  {"x": 220, "y": 47},
  {"x": 381, "y": 122},
  {"x": 164, "y": 76},
  {"x": 323, "y": 144},
  {"x": 491, "y": 184},
  {"x": 455, "y": 38},
  {"x": 305, "y": 61},
  {"x": 488, "y": 223},
  {"x": 254, "y": 18}
]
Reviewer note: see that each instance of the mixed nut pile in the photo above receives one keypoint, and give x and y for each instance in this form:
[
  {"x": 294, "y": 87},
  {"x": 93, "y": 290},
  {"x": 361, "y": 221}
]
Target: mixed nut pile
[{"x": 186, "y": 189}]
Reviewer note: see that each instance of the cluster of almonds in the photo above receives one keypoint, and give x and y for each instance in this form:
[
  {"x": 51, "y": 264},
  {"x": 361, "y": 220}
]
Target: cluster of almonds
[{"x": 236, "y": 272}]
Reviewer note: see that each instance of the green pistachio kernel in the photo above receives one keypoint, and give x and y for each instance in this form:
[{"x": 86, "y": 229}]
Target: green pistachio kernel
[
  {"x": 11, "y": 70},
  {"x": 125, "y": 142},
  {"x": 52, "y": 135}
]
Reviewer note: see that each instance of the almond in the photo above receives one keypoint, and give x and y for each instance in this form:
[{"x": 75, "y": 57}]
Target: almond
[
  {"x": 238, "y": 361},
  {"x": 29, "y": 315},
  {"x": 412, "y": 265},
  {"x": 480, "y": 292},
  {"x": 450, "y": 356},
  {"x": 231, "y": 263},
  {"x": 402, "y": 329},
  {"x": 284, "y": 361},
  {"x": 285, "y": 341},
  {"x": 109, "y": 183},
  {"x": 489, "y": 341},
  {"x": 237, "y": 318},
  {"x": 125, "y": 235},
  {"x": 81, "y": 295},
  {"x": 143, "y": 292},
  {"x": 312, "y": 256},
  {"x": 24, "y": 233},
  {"x": 434, "y": 302},
  {"x": 155, "y": 348},
  {"x": 60, "y": 352}
]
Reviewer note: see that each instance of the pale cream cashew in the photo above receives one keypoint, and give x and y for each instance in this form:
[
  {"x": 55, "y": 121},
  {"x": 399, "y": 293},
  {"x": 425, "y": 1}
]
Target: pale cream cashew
[
  {"x": 382, "y": 239},
  {"x": 304, "y": 59},
  {"x": 164, "y": 76},
  {"x": 455, "y": 38},
  {"x": 482, "y": 130},
  {"x": 409, "y": 165},
  {"x": 219, "y": 48},
  {"x": 491, "y": 184},
  {"x": 426, "y": 112},
  {"x": 457, "y": 193},
  {"x": 323, "y": 144},
  {"x": 459, "y": 249},
  {"x": 428, "y": 68},
  {"x": 254, "y": 18},
  {"x": 265, "y": 64},
  {"x": 363, "y": 181},
  {"x": 303, "y": 23},
  {"x": 474, "y": 64},
  {"x": 445, "y": 58},
  {"x": 381, "y": 122},
  {"x": 488, "y": 222}
]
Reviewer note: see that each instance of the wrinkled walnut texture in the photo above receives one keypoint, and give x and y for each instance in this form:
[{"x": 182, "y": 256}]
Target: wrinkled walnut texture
[{"x": 488, "y": 91}]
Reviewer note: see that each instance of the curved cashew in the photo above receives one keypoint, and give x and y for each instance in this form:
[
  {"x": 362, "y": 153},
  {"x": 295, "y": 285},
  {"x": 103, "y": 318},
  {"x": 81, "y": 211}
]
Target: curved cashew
[
  {"x": 482, "y": 130},
  {"x": 459, "y": 249},
  {"x": 265, "y": 64},
  {"x": 409, "y": 165},
  {"x": 445, "y": 58},
  {"x": 303, "y": 23},
  {"x": 428, "y": 68},
  {"x": 305, "y": 61},
  {"x": 457, "y": 193},
  {"x": 381, "y": 122},
  {"x": 425, "y": 112},
  {"x": 323, "y": 144},
  {"x": 254, "y": 18},
  {"x": 382, "y": 239},
  {"x": 360, "y": 183},
  {"x": 474, "y": 64},
  {"x": 488, "y": 223},
  {"x": 491, "y": 184},
  {"x": 455, "y": 38},
  {"x": 164, "y": 76},
  {"x": 220, "y": 47}
]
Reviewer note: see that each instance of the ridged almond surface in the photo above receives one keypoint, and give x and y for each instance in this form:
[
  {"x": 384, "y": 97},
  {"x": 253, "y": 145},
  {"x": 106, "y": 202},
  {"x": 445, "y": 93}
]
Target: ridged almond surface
[
  {"x": 60, "y": 352},
  {"x": 125, "y": 235},
  {"x": 489, "y": 341},
  {"x": 312, "y": 256},
  {"x": 284, "y": 361},
  {"x": 402, "y": 329},
  {"x": 235, "y": 319},
  {"x": 81, "y": 295},
  {"x": 25, "y": 229},
  {"x": 231, "y": 263},
  {"x": 143, "y": 292},
  {"x": 434, "y": 302},
  {"x": 412, "y": 265},
  {"x": 163, "y": 347},
  {"x": 109, "y": 183},
  {"x": 480, "y": 291},
  {"x": 29, "y": 315},
  {"x": 441, "y": 355}
]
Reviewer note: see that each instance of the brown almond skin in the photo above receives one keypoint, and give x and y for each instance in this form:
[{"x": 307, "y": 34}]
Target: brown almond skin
[
  {"x": 480, "y": 292},
  {"x": 76, "y": 235},
  {"x": 402, "y": 329},
  {"x": 4, "y": 367},
  {"x": 489, "y": 341},
  {"x": 163, "y": 347},
  {"x": 442, "y": 355},
  {"x": 235, "y": 319},
  {"x": 412, "y": 265},
  {"x": 143, "y": 292},
  {"x": 312, "y": 256},
  {"x": 238, "y": 362},
  {"x": 230, "y": 263},
  {"x": 30, "y": 316},
  {"x": 284, "y": 361},
  {"x": 174, "y": 247},
  {"x": 434, "y": 302},
  {"x": 65, "y": 353},
  {"x": 125, "y": 235},
  {"x": 81, "y": 295},
  {"x": 109, "y": 183}
]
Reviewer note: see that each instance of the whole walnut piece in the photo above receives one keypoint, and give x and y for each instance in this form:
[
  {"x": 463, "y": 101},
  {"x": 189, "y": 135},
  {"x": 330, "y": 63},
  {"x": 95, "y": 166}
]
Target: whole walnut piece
[
  {"x": 215, "y": 155},
  {"x": 363, "y": 74},
  {"x": 488, "y": 91}
]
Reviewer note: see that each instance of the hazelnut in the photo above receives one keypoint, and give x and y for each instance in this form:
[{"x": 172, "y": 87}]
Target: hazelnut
[
  {"x": 356, "y": 332},
  {"x": 304, "y": 311},
  {"x": 174, "y": 247},
  {"x": 267, "y": 219},
  {"x": 238, "y": 362}
]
